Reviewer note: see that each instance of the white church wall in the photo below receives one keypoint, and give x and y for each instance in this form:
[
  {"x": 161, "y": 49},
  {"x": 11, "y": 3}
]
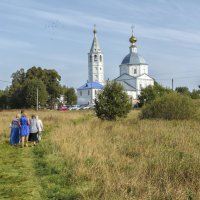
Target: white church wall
[
  {"x": 96, "y": 72},
  {"x": 94, "y": 95},
  {"x": 87, "y": 96},
  {"x": 132, "y": 94},
  {"x": 84, "y": 96},
  {"x": 144, "y": 77},
  {"x": 95, "y": 67},
  {"x": 133, "y": 70},
  {"x": 143, "y": 69},
  {"x": 142, "y": 82}
]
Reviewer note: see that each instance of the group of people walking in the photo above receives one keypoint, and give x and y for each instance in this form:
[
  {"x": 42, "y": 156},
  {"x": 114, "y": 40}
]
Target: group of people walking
[{"x": 24, "y": 130}]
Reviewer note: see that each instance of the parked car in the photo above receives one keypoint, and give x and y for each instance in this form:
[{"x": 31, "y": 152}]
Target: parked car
[
  {"x": 81, "y": 107},
  {"x": 74, "y": 107},
  {"x": 63, "y": 108},
  {"x": 89, "y": 107}
]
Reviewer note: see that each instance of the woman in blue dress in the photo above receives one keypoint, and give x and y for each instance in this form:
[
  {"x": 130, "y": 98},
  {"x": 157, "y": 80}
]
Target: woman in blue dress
[
  {"x": 24, "y": 128},
  {"x": 14, "y": 133}
]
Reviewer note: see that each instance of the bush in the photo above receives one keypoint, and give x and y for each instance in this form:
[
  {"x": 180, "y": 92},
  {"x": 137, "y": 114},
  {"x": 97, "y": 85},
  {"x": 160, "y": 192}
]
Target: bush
[
  {"x": 169, "y": 106},
  {"x": 112, "y": 102},
  {"x": 150, "y": 93}
]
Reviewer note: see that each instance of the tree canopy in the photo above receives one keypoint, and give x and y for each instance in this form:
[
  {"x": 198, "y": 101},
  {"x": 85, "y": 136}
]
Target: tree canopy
[
  {"x": 183, "y": 90},
  {"x": 22, "y": 92},
  {"x": 31, "y": 89},
  {"x": 70, "y": 97},
  {"x": 150, "y": 93},
  {"x": 112, "y": 102},
  {"x": 170, "y": 106}
]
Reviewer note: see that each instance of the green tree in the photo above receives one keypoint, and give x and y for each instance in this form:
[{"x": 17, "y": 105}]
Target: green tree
[
  {"x": 50, "y": 78},
  {"x": 112, "y": 102},
  {"x": 170, "y": 106},
  {"x": 70, "y": 95},
  {"x": 150, "y": 93},
  {"x": 30, "y": 93},
  {"x": 19, "y": 77},
  {"x": 54, "y": 89},
  {"x": 36, "y": 72},
  {"x": 183, "y": 90},
  {"x": 3, "y": 99},
  {"x": 16, "y": 96},
  {"x": 195, "y": 94}
]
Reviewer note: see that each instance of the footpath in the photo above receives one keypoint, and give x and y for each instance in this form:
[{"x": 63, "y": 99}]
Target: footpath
[
  {"x": 18, "y": 179},
  {"x": 36, "y": 173}
]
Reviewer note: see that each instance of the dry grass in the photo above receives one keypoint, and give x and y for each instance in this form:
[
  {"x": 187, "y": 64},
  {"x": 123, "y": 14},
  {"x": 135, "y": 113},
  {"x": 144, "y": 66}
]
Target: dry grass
[
  {"x": 128, "y": 159},
  {"x": 132, "y": 159}
]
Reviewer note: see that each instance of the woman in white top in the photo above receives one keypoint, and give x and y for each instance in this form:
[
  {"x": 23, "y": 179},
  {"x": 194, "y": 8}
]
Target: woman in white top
[
  {"x": 33, "y": 130},
  {"x": 40, "y": 128}
]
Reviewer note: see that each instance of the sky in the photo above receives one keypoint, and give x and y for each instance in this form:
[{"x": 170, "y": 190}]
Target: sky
[{"x": 58, "y": 35}]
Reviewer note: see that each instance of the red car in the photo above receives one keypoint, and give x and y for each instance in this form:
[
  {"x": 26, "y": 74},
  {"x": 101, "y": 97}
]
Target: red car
[{"x": 63, "y": 108}]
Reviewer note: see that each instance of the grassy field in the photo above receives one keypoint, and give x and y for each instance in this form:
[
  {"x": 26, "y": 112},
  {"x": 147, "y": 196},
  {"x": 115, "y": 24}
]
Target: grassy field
[{"x": 81, "y": 157}]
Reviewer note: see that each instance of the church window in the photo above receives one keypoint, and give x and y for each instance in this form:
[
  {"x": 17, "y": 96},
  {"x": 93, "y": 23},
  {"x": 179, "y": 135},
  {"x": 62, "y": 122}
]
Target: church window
[
  {"x": 135, "y": 71},
  {"x": 80, "y": 93},
  {"x": 95, "y": 57},
  {"x": 88, "y": 92},
  {"x": 100, "y": 58},
  {"x": 95, "y": 92},
  {"x": 90, "y": 58}
]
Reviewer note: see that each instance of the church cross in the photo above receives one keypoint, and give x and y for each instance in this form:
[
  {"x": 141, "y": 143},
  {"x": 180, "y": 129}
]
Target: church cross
[{"x": 132, "y": 27}]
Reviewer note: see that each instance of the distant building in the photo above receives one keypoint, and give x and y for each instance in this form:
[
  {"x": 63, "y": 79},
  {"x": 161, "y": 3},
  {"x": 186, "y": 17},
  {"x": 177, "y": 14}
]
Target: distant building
[
  {"x": 88, "y": 92},
  {"x": 134, "y": 72}
]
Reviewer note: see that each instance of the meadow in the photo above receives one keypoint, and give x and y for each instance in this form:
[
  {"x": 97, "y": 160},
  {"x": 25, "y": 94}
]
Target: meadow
[{"x": 82, "y": 157}]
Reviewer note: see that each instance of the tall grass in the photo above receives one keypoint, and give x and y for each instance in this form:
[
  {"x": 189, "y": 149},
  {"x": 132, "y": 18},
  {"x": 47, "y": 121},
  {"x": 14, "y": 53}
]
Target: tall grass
[
  {"x": 131, "y": 159},
  {"x": 127, "y": 159}
]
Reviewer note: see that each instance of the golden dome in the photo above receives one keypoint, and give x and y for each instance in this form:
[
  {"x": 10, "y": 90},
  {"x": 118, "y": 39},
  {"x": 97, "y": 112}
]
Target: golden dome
[{"x": 132, "y": 39}]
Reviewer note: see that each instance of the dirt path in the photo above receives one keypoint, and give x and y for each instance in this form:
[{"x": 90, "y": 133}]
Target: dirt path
[{"x": 18, "y": 178}]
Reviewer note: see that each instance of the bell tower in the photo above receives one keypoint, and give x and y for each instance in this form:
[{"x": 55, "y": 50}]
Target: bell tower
[{"x": 95, "y": 61}]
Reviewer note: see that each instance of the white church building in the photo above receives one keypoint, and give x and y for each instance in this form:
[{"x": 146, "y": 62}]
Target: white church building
[
  {"x": 133, "y": 73},
  {"x": 87, "y": 93}
]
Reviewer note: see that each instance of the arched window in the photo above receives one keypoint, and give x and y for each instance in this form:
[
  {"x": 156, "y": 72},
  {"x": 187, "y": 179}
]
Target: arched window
[
  {"x": 95, "y": 57},
  {"x": 88, "y": 92},
  {"x": 80, "y": 93},
  {"x": 100, "y": 57},
  {"x": 135, "y": 71},
  {"x": 90, "y": 58}
]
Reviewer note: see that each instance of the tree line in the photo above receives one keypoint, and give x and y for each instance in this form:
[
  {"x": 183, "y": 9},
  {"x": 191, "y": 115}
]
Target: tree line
[
  {"x": 150, "y": 93},
  {"x": 22, "y": 93}
]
